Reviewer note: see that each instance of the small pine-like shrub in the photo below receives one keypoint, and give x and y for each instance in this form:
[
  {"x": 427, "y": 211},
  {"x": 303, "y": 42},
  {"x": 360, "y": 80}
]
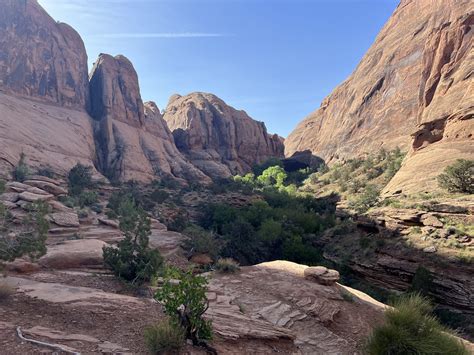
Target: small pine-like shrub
[
  {"x": 47, "y": 172},
  {"x": 79, "y": 178},
  {"x": 227, "y": 266},
  {"x": 133, "y": 260},
  {"x": 200, "y": 241},
  {"x": 31, "y": 239},
  {"x": 367, "y": 199},
  {"x": 409, "y": 328},
  {"x": 21, "y": 171},
  {"x": 159, "y": 196},
  {"x": 185, "y": 302},
  {"x": 458, "y": 177},
  {"x": 164, "y": 337}
]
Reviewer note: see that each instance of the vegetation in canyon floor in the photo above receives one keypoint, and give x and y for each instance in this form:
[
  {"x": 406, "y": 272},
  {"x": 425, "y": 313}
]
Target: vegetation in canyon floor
[{"x": 409, "y": 328}]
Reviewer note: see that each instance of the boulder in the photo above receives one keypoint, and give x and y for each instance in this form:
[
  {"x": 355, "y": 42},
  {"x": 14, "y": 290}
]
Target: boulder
[
  {"x": 10, "y": 197},
  {"x": 36, "y": 191},
  {"x": 74, "y": 254},
  {"x": 32, "y": 197},
  {"x": 65, "y": 219},
  {"x": 16, "y": 186},
  {"x": 47, "y": 186},
  {"x": 108, "y": 222},
  {"x": 321, "y": 275},
  {"x": 430, "y": 249},
  {"x": 22, "y": 266},
  {"x": 431, "y": 221},
  {"x": 58, "y": 206}
]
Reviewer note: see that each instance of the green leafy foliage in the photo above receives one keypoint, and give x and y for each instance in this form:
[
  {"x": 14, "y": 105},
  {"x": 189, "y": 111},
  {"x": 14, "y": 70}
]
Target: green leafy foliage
[
  {"x": 164, "y": 337},
  {"x": 273, "y": 176},
  {"x": 260, "y": 168},
  {"x": 21, "y": 171},
  {"x": 79, "y": 178},
  {"x": 409, "y": 328},
  {"x": 185, "y": 301},
  {"x": 281, "y": 226},
  {"x": 133, "y": 260},
  {"x": 30, "y": 240},
  {"x": 201, "y": 241},
  {"x": 367, "y": 199},
  {"x": 458, "y": 177}
]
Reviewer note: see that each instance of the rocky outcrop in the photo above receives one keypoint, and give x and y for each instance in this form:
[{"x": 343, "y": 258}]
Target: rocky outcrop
[
  {"x": 39, "y": 57},
  {"x": 416, "y": 78},
  {"x": 217, "y": 138},
  {"x": 132, "y": 139},
  {"x": 45, "y": 61}
]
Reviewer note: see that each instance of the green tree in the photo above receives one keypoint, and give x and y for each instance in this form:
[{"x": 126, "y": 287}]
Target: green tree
[
  {"x": 183, "y": 296},
  {"x": 458, "y": 177},
  {"x": 273, "y": 176},
  {"x": 21, "y": 171},
  {"x": 79, "y": 178},
  {"x": 30, "y": 239},
  {"x": 133, "y": 260}
]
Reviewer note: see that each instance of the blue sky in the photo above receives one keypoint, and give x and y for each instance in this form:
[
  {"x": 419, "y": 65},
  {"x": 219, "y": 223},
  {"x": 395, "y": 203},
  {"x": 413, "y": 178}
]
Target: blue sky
[{"x": 275, "y": 59}]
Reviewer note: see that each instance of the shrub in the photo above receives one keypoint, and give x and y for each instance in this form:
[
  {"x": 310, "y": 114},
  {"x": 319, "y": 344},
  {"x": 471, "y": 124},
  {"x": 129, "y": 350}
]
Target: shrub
[
  {"x": 260, "y": 168},
  {"x": 87, "y": 198},
  {"x": 79, "y": 178},
  {"x": 159, "y": 196},
  {"x": 367, "y": 199},
  {"x": 6, "y": 291},
  {"x": 410, "y": 329},
  {"x": 166, "y": 336},
  {"x": 2, "y": 186},
  {"x": 458, "y": 177},
  {"x": 31, "y": 239},
  {"x": 186, "y": 302},
  {"x": 47, "y": 172},
  {"x": 273, "y": 176},
  {"x": 227, "y": 265},
  {"x": 200, "y": 241},
  {"x": 133, "y": 260},
  {"x": 178, "y": 222},
  {"x": 21, "y": 171}
]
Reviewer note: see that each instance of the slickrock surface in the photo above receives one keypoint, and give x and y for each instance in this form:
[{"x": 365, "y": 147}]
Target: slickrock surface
[
  {"x": 416, "y": 79},
  {"x": 274, "y": 301},
  {"x": 217, "y": 138}
]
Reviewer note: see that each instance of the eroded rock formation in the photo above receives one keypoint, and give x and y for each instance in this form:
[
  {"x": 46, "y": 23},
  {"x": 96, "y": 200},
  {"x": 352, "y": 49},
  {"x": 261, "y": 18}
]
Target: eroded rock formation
[
  {"x": 41, "y": 58},
  {"x": 132, "y": 139},
  {"x": 415, "y": 79},
  {"x": 217, "y": 138}
]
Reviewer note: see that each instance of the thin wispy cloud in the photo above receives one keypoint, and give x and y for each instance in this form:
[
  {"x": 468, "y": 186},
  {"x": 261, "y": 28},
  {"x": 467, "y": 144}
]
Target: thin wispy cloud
[{"x": 160, "y": 35}]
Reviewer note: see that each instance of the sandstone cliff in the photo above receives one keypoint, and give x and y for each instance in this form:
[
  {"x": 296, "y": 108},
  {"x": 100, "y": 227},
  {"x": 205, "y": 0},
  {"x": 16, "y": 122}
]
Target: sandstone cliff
[
  {"x": 39, "y": 57},
  {"x": 415, "y": 79},
  {"x": 45, "y": 64},
  {"x": 132, "y": 142},
  {"x": 217, "y": 138}
]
